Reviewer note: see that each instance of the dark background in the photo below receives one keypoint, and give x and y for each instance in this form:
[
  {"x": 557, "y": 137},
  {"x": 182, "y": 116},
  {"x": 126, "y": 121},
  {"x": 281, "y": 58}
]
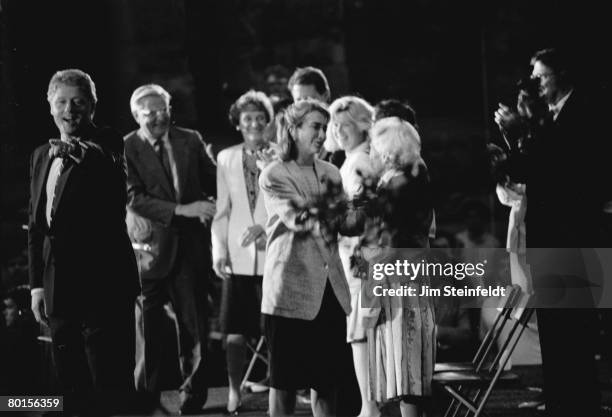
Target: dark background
[{"x": 453, "y": 60}]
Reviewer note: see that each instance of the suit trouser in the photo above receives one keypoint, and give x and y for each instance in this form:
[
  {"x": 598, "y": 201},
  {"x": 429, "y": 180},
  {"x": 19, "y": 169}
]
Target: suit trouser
[
  {"x": 567, "y": 335},
  {"x": 567, "y": 339},
  {"x": 94, "y": 359},
  {"x": 186, "y": 290}
]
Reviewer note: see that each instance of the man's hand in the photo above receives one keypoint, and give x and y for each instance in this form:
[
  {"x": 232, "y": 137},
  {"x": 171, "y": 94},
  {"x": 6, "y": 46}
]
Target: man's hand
[
  {"x": 251, "y": 234},
  {"x": 65, "y": 149},
  {"x": 205, "y": 210},
  {"x": 38, "y": 307},
  {"x": 507, "y": 119},
  {"x": 510, "y": 123},
  {"x": 220, "y": 267}
]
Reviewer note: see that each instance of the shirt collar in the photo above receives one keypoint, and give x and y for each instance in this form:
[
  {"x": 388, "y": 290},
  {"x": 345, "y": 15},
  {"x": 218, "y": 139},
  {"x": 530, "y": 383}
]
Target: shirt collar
[
  {"x": 148, "y": 138},
  {"x": 556, "y": 108}
]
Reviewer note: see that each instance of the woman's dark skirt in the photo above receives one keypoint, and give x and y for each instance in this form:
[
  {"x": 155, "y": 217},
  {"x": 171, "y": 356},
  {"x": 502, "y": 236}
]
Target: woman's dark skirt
[
  {"x": 241, "y": 305},
  {"x": 308, "y": 353}
]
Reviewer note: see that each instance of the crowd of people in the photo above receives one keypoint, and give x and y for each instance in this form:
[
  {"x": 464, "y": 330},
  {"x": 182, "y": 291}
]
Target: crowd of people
[{"x": 286, "y": 219}]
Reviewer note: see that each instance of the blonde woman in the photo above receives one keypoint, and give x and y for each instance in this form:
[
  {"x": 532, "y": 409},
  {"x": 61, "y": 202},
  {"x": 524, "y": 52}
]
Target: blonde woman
[
  {"x": 401, "y": 337},
  {"x": 351, "y": 119}
]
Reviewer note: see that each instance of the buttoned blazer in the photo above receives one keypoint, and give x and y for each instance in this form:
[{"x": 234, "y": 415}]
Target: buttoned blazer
[
  {"x": 299, "y": 262},
  {"x": 152, "y": 201},
  {"x": 234, "y": 215}
]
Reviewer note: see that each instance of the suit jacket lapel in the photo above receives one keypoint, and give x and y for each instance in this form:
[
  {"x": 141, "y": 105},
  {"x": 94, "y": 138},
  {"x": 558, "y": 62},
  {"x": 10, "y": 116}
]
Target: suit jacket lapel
[
  {"x": 303, "y": 187},
  {"x": 41, "y": 181},
  {"x": 60, "y": 186},
  {"x": 151, "y": 161},
  {"x": 238, "y": 166},
  {"x": 297, "y": 176}
]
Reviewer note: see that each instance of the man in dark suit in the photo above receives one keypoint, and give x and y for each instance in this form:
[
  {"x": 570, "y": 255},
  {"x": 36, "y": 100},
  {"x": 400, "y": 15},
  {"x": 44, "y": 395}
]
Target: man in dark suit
[
  {"x": 83, "y": 273},
  {"x": 563, "y": 166},
  {"x": 171, "y": 182}
]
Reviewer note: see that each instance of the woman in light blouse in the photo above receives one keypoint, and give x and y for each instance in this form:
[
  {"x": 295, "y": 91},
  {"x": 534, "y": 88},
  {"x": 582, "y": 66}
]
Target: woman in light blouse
[
  {"x": 238, "y": 235},
  {"x": 351, "y": 119}
]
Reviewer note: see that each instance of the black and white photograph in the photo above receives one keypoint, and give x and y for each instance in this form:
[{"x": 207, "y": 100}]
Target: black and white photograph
[{"x": 353, "y": 208}]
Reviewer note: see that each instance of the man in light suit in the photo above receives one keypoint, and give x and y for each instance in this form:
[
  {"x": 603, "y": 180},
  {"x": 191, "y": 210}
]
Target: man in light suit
[
  {"x": 171, "y": 181},
  {"x": 83, "y": 274}
]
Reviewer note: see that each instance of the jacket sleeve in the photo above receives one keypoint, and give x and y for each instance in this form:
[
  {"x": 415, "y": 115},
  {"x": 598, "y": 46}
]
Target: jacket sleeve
[
  {"x": 219, "y": 228},
  {"x": 207, "y": 170}
]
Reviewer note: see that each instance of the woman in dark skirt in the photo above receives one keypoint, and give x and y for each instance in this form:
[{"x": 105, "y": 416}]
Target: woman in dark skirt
[
  {"x": 305, "y": 294},
  {"x": 238, "y": 235}
]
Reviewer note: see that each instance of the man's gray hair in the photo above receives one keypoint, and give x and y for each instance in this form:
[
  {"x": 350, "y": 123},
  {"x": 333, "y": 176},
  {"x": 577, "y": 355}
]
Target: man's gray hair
[{"x": 148, "y": 90}]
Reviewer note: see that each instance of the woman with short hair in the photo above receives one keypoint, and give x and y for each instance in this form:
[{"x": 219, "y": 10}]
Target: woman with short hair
[
  {"x": 238, "y": 234},
  {"x": 401, "y": 337}
]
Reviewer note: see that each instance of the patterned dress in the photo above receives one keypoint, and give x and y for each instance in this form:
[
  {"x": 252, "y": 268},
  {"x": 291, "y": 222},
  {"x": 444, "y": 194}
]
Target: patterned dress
[{"x": 401, "y": 344}]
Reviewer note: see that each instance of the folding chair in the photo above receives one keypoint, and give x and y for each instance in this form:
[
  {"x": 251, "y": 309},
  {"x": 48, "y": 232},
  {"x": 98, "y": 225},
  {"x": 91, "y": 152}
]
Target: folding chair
[
  {"x": 258, "y": 353},
  {"x": 470, "y": 389},
  {"x": 504, "y": 307}
]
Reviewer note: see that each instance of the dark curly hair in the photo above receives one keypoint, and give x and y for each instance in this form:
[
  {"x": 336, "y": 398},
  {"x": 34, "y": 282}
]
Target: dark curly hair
[{"x": 251, "y": 98}]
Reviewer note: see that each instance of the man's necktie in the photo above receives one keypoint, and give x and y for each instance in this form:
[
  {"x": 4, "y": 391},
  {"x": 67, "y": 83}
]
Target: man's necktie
[{"x": 160, "y": 149}]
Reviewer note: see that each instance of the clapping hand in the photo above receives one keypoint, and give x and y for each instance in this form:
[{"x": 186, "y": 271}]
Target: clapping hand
[{"x": 267, "y": 155}]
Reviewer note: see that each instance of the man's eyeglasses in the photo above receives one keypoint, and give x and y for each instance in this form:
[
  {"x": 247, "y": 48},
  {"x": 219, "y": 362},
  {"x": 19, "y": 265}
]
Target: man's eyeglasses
[
  {"x": 544, "y": 76},
  {"x": 149, "y": 114}
]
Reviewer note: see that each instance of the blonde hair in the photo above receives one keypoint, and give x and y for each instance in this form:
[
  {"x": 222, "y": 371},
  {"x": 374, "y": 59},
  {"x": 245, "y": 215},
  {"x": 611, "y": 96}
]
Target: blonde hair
[
  {"x": 291, "y": 118},
  {"x": 396, "y": 142},
  {"x": 359, "y": 111}
]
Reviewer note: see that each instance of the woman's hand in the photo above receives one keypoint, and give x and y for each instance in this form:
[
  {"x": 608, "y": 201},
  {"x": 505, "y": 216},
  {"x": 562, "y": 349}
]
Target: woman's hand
[
  {"x": 251, "y": 234},
  {"x": 267, "y": 155},
  {"x": 261, "y": 241}
]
